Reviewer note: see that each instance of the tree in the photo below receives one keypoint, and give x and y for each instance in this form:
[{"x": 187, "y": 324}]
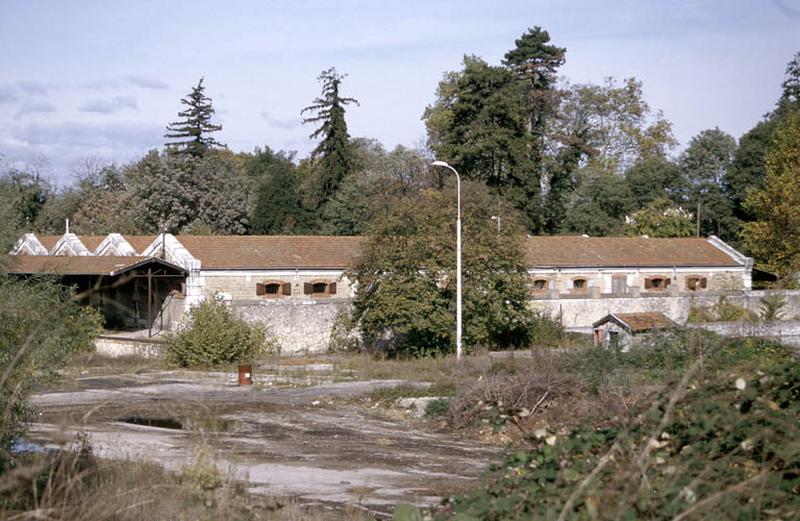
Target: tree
[
  {"x": 747, "y": 171},
  {"x": 23, "y": 194},
  {"x": 655, "y": 177},
  {"x": 192, "y": 131},
  {"x": 279, "y": 203},
  {"x": 774, "y": 236},
  {"x": 406, "y": 282},
  {"x": 599, "y": 206},
  {"x": 535, "y": 62},
  {"x": 705, "y": 163},
  {"x": 612, "y": 125},
  {"x": 479, "y": 124},
  {"x": 181, "y": 193},
  {"x": 660, "y": 218},
  {"x": 334, "y": 153}
]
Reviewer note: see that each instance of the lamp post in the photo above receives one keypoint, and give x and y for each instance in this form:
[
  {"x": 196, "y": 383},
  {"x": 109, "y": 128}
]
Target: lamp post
[{"x": 458, "y": 257}]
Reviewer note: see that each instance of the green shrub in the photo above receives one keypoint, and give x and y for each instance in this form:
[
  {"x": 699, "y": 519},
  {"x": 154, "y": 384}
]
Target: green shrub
[
  {"x": 728, "y": 448},
  {"x": 772, "y": 307},
  {"x": 437, "y": 407},
  {"x": 41, "y": 325},
  {"x": 215, "y": 336}
]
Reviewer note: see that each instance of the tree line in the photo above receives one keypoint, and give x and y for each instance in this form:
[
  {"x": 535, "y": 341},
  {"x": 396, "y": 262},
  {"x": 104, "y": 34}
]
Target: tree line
[{"x": 568, "y": 158}]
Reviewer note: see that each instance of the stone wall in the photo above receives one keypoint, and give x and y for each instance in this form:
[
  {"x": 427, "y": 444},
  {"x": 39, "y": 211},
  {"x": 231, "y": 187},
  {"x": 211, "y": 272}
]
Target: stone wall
[
  {"x": 582, "y": 312},
  {"x": 241, "y": 284},
  {"x": 117, "y": 346},
  {"x": 778, "y": 329},
  {"x": 298, "y": 325}
]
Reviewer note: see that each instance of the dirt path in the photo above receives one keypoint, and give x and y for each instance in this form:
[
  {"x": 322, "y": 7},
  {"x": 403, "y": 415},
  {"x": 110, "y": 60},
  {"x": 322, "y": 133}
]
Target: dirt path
[{"x": 308, "y": 441}]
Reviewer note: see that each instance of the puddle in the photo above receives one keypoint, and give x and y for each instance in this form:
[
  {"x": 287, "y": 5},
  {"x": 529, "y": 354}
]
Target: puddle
[
  {"x": 162, "y": 423},
  {"x": 188, "y": 424}
]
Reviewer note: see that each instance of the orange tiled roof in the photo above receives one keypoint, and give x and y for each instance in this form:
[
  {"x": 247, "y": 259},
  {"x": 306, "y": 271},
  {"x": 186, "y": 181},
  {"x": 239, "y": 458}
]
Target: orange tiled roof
[
  {"x": 272, "y": 251},
  {"x": 139, "y": 242},
  {"x": 638, "y": 322},
  {"x": 76, "y": 265},
  {"x": 48, "y": 241},
  {"x": 623, "y": 252},
  {"x": 91, "y": 241}
]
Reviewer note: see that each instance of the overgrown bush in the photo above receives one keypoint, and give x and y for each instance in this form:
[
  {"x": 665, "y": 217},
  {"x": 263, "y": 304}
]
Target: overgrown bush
[
  {"x": 41, "y": 325},
  {"x": 666, "y": 354},
  {"x": 213, "y": 336},
  {"x": 724, "y": 447}
]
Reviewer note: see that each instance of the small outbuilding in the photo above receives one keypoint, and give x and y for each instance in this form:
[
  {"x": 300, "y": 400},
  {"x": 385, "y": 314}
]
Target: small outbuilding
[
  {"x": 132, "y": 293},
  {"x": 619, "y": 330}
]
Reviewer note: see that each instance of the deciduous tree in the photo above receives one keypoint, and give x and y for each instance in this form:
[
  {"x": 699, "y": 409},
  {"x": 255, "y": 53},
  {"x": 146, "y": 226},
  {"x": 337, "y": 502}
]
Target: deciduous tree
[
  {"x": 406, "y": 276},
  {"x": 774, "y": 236}
]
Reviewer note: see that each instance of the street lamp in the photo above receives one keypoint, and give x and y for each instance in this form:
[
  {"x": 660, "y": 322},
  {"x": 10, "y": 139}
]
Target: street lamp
[{"x": 458, "y": 257}]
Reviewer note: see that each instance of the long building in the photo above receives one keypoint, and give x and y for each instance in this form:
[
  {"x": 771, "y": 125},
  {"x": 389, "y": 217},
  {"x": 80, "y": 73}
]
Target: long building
[{"x": 140, "y": 281}]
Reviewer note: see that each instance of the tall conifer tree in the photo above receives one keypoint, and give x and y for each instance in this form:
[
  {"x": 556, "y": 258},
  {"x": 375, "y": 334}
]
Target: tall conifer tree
[
  {"x": 334, "y": 152},
  {"x": 190, "y": 134}
]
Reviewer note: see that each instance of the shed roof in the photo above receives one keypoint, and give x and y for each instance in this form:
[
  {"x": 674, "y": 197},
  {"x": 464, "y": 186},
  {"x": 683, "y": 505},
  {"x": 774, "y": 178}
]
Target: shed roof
[
  {"x": 80, "y": 264},
  {"x": 623, "y": 252},
  {"x": 272, "y": 251},
  {"x": 638, "y": 322}
]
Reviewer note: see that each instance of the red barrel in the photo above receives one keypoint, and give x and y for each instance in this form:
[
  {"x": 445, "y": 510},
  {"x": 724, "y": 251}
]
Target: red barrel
[{"x": 246, "y": 374}]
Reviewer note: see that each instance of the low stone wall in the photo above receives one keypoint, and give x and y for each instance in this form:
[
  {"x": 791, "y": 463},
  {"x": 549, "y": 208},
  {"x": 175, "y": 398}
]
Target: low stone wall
[
  {"x": 297, "y": 325},
  {"x": 582, "y": 312},
  {"x": 777, "y": 329},
  {"x": 117, "y": 346}
]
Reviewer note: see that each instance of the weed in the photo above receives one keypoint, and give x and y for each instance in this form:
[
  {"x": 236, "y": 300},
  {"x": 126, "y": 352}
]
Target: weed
[{"x": 437, "y": 407}]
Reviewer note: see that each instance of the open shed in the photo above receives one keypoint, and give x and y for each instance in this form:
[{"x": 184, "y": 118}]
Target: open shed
[
  {"x": 133, "y": 293},
  {"x": 619, "y": 330}
]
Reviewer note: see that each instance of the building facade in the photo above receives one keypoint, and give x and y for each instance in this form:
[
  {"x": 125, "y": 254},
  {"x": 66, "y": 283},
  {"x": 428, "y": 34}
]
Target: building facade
[{"x": 577, "y": 278}]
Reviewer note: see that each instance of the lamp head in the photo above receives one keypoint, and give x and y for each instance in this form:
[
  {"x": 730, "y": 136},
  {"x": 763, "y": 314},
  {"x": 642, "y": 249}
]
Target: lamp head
[{"x": 440, "y": 163}]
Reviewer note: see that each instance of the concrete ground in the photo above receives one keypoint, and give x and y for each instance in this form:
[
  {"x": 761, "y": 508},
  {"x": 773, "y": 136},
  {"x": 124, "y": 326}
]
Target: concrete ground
[{"x": 303, "y": 436}]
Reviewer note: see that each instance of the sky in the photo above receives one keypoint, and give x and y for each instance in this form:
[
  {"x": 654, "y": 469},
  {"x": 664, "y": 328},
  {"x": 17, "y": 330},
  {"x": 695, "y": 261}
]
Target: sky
[{"x": 101, "y": 79}]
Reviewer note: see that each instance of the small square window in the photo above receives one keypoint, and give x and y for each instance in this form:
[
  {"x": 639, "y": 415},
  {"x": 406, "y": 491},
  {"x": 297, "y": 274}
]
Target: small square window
[{"x": 696, "y": 283}]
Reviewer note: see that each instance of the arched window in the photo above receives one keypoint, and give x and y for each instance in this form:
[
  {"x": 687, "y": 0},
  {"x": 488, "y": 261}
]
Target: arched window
[
  {"x": 540, "y": 285},
  {"x": 580, "y": 285},
  {"x": 656, "y": 283}
]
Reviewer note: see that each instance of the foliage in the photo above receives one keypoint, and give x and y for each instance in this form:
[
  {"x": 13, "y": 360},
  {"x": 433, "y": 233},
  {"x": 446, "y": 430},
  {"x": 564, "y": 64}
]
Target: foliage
[
  {"x": 192, "y": 131},
  {"x": 334, "y": 152},
  {"x": 660, "y": 218},
  {"x": 179, "y": 193},
  {"x": 279, "y": 202},
  {"x": 215, "y": 336},
  {"x": 773, "y": 237},
  {"x": 722, "y": 310},
  {"x": 615, "y": 125},
  {"x": 599, "y": 207},
  {"x": 405, "y": 276},
  {"x": 23, "y": 195},
  {"x": 479, "y": 124},
  {"x": 720, "y": 445},
  {"x": 705, "y": 163},
  {"x": 437, "y": 407},
  {"x": 654, "y": 178},
  {"x": 772, "y": 307},
  {"x": 41, "y": 324}
]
